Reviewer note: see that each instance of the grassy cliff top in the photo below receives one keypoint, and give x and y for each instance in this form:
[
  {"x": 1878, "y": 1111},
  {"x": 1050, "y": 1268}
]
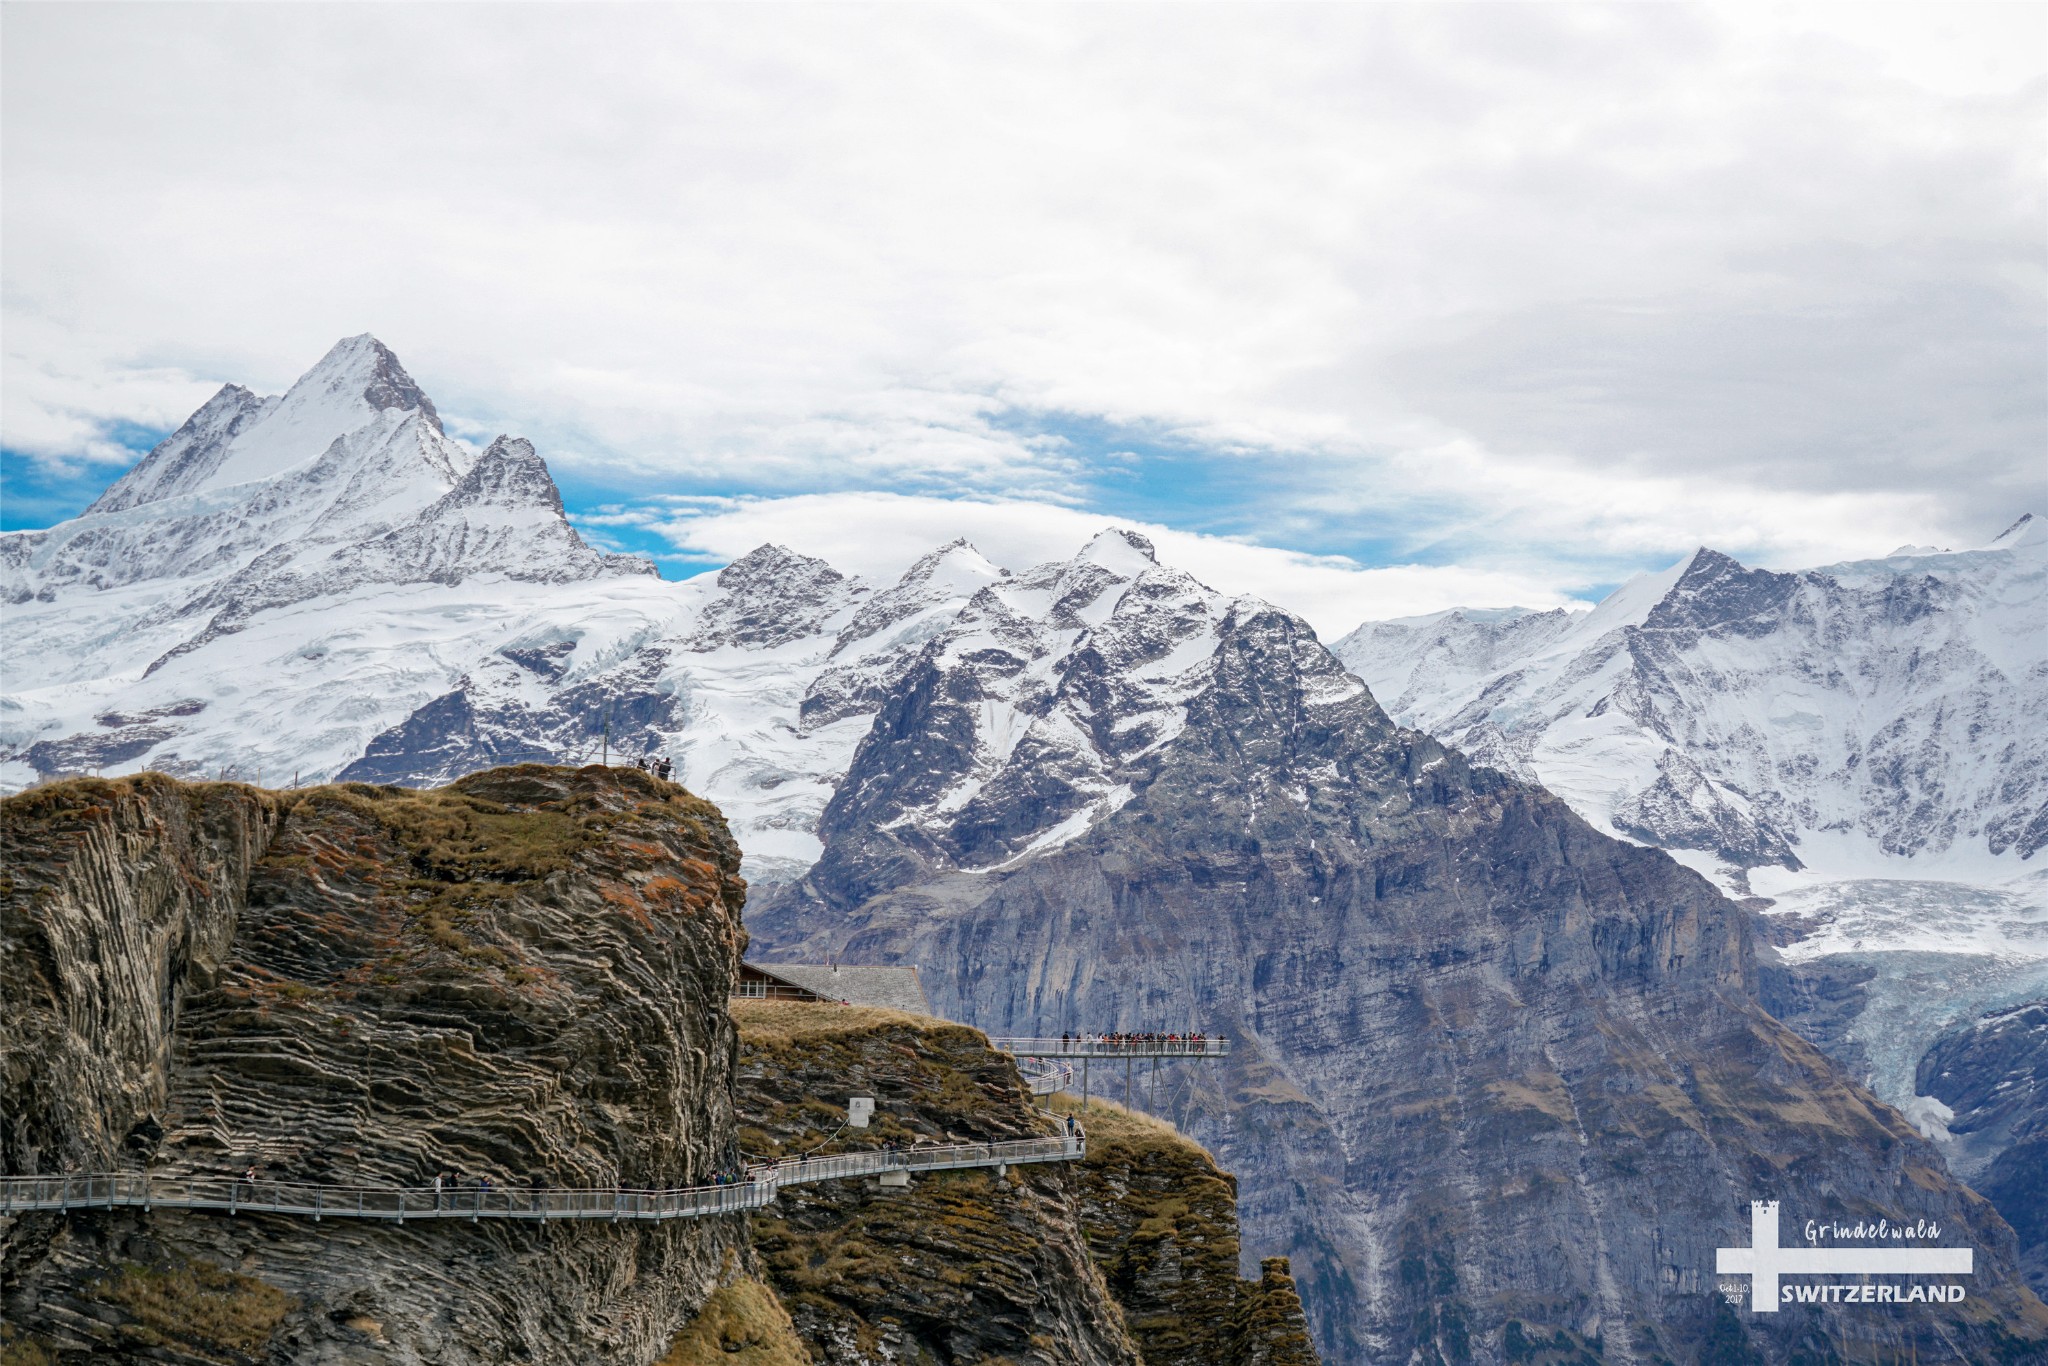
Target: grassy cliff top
[
  {"x": 1109, "y": 1123},
  {"x": 517, "y": 823},
  {"x": 766, "y": 1023}
]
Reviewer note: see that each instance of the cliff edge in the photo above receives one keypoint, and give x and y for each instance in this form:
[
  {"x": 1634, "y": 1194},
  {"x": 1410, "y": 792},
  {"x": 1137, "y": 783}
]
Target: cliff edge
[{"x": 519, "y": 978}]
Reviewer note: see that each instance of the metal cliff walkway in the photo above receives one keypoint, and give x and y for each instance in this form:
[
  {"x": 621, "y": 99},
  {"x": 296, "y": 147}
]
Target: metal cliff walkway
[
  {"x": 1048, "y": 1064},
  {"x": 398, "y": 1204}
]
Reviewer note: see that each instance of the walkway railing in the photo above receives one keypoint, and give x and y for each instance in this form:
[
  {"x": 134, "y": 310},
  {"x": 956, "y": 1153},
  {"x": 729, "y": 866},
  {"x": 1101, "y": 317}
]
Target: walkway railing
[
  {"x": 1116, "y": 1046},
  {"x": 1045, "y": 1075},
  {"x": 930, "y": 1158},
  {"x": 105, "y": 1190}
]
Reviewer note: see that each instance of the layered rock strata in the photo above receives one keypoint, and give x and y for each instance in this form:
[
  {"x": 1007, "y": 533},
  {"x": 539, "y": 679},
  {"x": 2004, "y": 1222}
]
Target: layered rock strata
[
  {"x": 1161, "y": 1219},
  {"x": 519, "y": 978},
  {"x": 957, "y": 1267},
  {"x": 1128, "y": 1257}
]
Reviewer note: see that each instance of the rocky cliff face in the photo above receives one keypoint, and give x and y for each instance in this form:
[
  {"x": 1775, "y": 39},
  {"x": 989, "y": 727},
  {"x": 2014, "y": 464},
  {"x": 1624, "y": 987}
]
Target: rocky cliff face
[
  {"x": 522, "y": 978},
  {"x": 1991, "y": 1077},
  {"x": 519, "y": 978},
  {"x": 1129, "y": 1258},
  {"x": 957, "y": 1267},
  {"x": 115, "y": 895},
  {"x": 1494, "y": 1068},
  {"x": 1161, "y": 1219}
]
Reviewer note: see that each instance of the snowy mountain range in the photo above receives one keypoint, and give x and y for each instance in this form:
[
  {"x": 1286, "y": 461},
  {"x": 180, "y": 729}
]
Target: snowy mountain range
[
  {"x": 325, "y": 585},
  {"x": 1096, "y": 790},
  {"x": 1858, "y": 747},
  {"x": 1870, "y": 718}
]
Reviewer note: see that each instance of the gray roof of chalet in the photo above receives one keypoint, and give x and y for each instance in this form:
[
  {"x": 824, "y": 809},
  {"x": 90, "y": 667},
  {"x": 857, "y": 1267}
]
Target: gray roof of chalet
[{"x": 897, "y": 988}]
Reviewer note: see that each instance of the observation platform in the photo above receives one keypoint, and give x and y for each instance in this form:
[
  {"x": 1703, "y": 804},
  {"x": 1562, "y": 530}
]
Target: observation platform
[{"x": 1117, "y": 1046}]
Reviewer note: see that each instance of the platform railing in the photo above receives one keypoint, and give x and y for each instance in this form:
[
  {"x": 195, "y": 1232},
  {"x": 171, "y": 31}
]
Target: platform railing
[{"x": 1115, "y": 1046}]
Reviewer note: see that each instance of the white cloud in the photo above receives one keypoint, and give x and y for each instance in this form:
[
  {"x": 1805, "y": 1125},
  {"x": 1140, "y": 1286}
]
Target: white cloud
[
  {"x": 60, "y": 397},
  {"x": 1654, "y": 274},
  {"x": 879, "y": 535}
]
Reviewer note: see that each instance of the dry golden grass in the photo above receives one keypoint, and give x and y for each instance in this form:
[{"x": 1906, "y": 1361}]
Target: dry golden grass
[
  {"x": 16, "y": 1351},
  {"x": 1108, "y": 1122},
  {"x": 197, "y": 1303},
  {"x": 742, "y": 1324},
  {"x": 467, "y": 836},
  {"x": 764, "y": 1022}
]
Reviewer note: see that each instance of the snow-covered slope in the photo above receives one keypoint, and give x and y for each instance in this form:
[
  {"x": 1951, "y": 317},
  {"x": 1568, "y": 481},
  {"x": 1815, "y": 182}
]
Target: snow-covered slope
[
  {"x": 325, "y": 585},
  {"x": 270, "y": 585},
  {"x": 1861, "y": 744},
  {"x": 1849, "y": 720}
]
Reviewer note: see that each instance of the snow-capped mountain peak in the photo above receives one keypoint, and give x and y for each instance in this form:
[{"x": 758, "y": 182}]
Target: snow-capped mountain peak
[
  {"x": 2028, "y": 530},
  {"x": 1120, "y": 551},
  {"x": 932, "y": 588},
  {"x": 190, "y": 456},
  {"x": 1633, "y": 602},
  {"x": 1852, "y": 717},
  {"x": 773, "y": 596},
  {"x": 255, "y": 507},
  {"x": 237, "y": 438}
]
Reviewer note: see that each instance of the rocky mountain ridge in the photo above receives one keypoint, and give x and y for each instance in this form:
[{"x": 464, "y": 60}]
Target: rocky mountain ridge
[{"x": 1474, "y": 1036}]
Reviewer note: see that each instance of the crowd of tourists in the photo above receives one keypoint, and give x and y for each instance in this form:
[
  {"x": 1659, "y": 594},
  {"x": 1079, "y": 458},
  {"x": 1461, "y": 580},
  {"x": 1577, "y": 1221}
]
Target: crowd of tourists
[{"x": 1146, "y": 1042}]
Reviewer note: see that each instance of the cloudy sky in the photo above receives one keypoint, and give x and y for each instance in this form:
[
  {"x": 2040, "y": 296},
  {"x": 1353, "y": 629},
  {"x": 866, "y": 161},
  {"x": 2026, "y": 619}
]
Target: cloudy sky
[{"x": 1372, "y": 308}]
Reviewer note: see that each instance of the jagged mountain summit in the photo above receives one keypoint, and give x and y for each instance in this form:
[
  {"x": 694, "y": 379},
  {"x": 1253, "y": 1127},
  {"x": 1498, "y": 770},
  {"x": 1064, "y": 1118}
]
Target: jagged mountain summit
[
  {"x": 1862, "y": 719},
  {"x": 260, "y": 591}
]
